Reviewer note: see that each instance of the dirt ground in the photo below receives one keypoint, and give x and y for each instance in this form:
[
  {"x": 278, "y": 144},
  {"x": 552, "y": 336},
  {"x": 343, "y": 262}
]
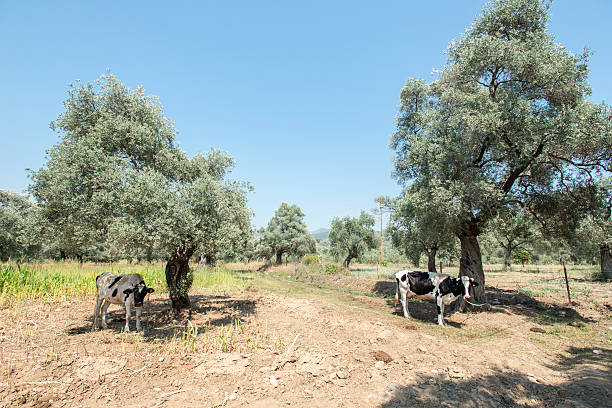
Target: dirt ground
[{"x": 306, "y": 346}]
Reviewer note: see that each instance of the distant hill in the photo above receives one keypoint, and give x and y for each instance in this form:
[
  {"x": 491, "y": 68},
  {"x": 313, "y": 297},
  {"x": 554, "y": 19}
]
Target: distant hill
[{"x": 321, "y": 234}]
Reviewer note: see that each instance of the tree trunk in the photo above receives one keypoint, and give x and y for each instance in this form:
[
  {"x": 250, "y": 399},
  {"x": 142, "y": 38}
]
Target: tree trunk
[
  {"x": 179, "y": 279},
  {"x": 279, "y": 258},
  {"x": 507, "y": 258},
  {"x": 431, "y": 259},
  {"x": 210, "y": 260},
  {"x": 605, "y": 257},
  {"x": 470, "y": 264},
  {"x": 347, "y": 261}
]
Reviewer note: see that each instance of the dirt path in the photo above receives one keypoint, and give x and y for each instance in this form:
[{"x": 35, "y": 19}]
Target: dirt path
[{"x": 264, "y": 349}]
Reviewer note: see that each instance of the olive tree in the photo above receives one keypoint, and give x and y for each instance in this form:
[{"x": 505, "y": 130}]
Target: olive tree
[
  {"x": 594, "y": 234},
  {"x": 505, "y": 122},
  {"x": 117, "y": 177},
  {"x": 19, "y": 226},
  {"x": 286, "y": 233},
  {"x": 351, "y": 237},
  {"x": 513, "y": 229},
  {"x": 420, "y": 224}
]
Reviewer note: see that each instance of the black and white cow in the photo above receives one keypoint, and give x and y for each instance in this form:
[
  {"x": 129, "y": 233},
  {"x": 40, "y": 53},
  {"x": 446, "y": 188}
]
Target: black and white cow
[
  {"x": 122, "y": 289},
  {"x": 431, "y": 285}
]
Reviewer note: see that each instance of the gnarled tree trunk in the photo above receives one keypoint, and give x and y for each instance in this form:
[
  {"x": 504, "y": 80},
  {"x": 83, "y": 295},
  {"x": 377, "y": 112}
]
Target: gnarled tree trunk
[
  {"x": 179, "y": 278},
  {"x": 470, "y": 263},
  {"x": 348, "y": 259},
  {"x": 605, "y": 259}
]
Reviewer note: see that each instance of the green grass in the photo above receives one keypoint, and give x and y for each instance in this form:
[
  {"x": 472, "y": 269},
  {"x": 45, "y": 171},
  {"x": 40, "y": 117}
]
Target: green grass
[
  {"x": 67, "y": 280},
  {"x": 220, "y": 279}
]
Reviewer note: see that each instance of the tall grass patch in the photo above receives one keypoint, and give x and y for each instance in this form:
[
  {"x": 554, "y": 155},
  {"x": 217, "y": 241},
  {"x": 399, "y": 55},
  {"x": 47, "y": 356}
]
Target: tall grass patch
[
  {"x": 220, "y": 279},
  {"x": 65, "y": 280}
]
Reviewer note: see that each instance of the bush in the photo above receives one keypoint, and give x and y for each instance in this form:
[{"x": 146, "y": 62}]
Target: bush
[
  {"x": 310, "y": 260},
  {"x": 334, "y": 268},
  {"x": 522, "y": 256},
  {"x": 384, "y": 263}
]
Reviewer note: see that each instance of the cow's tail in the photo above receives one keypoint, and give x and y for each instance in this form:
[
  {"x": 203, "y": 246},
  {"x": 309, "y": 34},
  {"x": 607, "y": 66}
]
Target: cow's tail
[{"x": 396, "y": 292}]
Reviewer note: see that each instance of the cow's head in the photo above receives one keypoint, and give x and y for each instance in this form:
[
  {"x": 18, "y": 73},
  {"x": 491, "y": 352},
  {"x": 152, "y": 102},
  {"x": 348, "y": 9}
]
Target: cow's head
[
  {"x": 467, "y": 281},
  {"x": 140, "y": 291}
]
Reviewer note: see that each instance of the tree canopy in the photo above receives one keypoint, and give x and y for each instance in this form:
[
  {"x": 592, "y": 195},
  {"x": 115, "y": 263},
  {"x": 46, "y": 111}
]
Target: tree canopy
[
  {"x": 286, "y": 233},
  {"x": 351, "y": 237},
  {"x": 18, "y": 226},
  {"x": 506, "y": 122}
]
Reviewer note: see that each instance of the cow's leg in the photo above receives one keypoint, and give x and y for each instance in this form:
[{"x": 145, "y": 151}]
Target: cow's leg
[
  {"x": 105, "y": 305},
  {"x": 138, "y": 312},
  {"x": 96, "y": 313},
  {"x": 128, "y": 312},
  {"x": 440, "y": 305},
  {"x": 404, "y": 304}
]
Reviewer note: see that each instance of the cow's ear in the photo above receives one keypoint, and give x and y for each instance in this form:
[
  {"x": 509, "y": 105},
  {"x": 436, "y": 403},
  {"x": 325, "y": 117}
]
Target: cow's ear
[
  {"x": 128, "y": 291},
  {"x": 150, "y": 290}
]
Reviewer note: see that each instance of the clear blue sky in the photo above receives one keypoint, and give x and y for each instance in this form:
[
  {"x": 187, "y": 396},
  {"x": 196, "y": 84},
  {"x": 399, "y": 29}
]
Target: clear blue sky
[{"x": 302, "y": 94}]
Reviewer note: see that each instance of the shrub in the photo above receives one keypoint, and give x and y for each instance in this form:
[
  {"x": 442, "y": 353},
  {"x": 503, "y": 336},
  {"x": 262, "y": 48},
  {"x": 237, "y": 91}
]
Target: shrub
[
  {"x": 310, "y": 260},
  {"x": 522, "y": 256},
  {"x": 334, "y": 268}
]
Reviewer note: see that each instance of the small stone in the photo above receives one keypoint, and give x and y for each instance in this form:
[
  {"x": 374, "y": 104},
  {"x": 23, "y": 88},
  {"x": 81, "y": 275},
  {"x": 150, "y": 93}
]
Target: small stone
[
  {"x": 596, "y": 351},
  {"x": 380, "y": 355},
  {"x": 264, "y": 369},
  {"x": 273, "y": 381},
  {"x": 380, "y": 365},
  {"x": 232, "y": 396},
  {"x": 434, "y": 371},
  {"x": 160, "y": 359},
  {"x": 537, "y": 330},
  {"x": 422, "y": 348},
  {"x": 456, "y": 375},
  {"x": 157, "y": 389},
  {"x": 342, "y": 375}
]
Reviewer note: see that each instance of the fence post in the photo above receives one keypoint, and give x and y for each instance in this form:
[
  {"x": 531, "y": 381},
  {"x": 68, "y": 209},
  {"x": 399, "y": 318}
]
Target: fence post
[{"x": 569, "y": 300}]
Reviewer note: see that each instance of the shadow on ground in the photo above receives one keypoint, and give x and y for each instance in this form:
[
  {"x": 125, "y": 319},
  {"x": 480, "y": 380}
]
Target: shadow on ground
[
  {"x": 514, "y": 302},
  {"x": 159, "y": 321},
  {"x": 588, "y": 384},
  {"x": 501, "y": 301}
]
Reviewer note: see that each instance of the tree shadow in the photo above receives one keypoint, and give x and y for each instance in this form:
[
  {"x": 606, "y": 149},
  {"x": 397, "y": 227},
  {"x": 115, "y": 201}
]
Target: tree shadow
[
  {"x": 501, "y": 301},
  {"x": 160, "y": 322},
  {"x": 588, "y": 384},
  {"x": 515, "y": 302},
  {"x": 384, "y": 288},
  {"x": 422, "y": 310}
]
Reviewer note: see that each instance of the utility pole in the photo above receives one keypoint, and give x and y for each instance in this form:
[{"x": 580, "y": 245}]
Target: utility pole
[{"x": 382, "y": 254}]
